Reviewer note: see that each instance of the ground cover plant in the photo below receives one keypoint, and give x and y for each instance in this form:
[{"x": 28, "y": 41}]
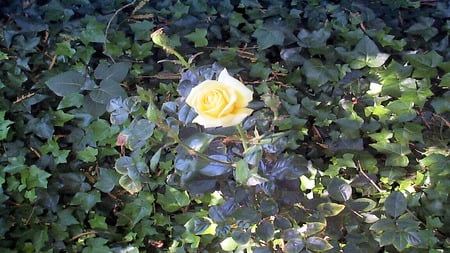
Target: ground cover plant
[{"x": 338, "y": 142}]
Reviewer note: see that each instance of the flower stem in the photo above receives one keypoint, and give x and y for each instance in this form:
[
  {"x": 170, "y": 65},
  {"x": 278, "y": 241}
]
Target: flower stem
[{"x": 243, "y": 137}]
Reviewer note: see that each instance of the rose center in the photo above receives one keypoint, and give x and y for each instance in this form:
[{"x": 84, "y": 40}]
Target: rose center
[{"x": 216, "y": 103}]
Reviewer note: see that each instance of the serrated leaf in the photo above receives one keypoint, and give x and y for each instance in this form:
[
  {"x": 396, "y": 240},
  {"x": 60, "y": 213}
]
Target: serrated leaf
[
  {"x": 330, "y": 209},
  {"x": 395, "y": 204},
  {"x": 66, "y": 83}
]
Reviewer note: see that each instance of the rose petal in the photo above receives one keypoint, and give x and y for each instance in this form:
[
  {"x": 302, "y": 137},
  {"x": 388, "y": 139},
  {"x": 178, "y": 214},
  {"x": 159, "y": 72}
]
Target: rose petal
[
  {"x": 226, "y": 121},
  {"x": 245, "y": 94}
]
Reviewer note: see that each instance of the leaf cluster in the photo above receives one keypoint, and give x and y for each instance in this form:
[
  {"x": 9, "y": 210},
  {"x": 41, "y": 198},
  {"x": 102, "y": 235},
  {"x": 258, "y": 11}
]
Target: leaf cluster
[{"x": 348, "y": 142}]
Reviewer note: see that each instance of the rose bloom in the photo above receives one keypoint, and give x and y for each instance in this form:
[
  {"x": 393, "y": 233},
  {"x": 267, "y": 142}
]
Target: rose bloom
[{"x": 220, "y": 103}]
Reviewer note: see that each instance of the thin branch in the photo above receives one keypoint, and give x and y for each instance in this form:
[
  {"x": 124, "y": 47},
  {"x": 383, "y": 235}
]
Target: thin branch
[
  {"x": 367, "y": 177},
  {"x": 112, "y": 18}
]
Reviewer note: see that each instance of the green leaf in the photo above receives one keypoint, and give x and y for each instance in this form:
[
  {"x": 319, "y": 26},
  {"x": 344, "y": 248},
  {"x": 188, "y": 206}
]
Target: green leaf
[
  {"x": 318, "y": 73},
  {"x": 108, "y": 90},
  {"x": 98, "y": 221},
  {"x": 383, "y": 225},
  {"x": 313, "y": 228},
  {"x": 445, "y": 80},
  {"x": 199, "y": 142},
  {"x": 94, "y": 31},
  {"x": 314, "y": 39},
  {"x": 265, "y": 230},
  {"x": 107, "y": 179},
  {"x": 200, "y": 226},
  {"x": 295, "y": 246},
  {"x": 241, "y": 236},
  {"x": 318, "y": 244},
  {"x": 423, "y": 27},
  {"x": 86, "y": 200},
  {"x": 65, "y": 49},
  {"x": 89, "y": 154},
  {"x": 198, "y": 37},
  {"x": 116, "y": 72},
  {"x": 330, "y": 209},
  {"x": 173, "y": 199},
  {"x": 4, "y": 125},
  {"x": 179, "y": 9},
  {"x": 96, "y": 245},
  {"x": 141, "y": 29},
  {"x": 339, "y": 190},
  {"x": 242, "y": 172},
  {"x": 362, "y": 204},
  {"x": 71, "y": 100},
  {"x": 61, "y": 117},
  {"x": 228, "y": 244},
  {"x": 140, "y": 208},
  {"x": 400, "y": 241},
  {"x": 366, "y": 53},
  {"x": 66, "y": 83},
  {"x": 395, "y": 204},
  {"x": 34, "y": 177},
  {"x": 266, "y": 37}
]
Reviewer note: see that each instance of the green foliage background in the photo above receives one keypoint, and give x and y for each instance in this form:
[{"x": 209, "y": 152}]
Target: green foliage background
[{"x": 349, "y": 138}]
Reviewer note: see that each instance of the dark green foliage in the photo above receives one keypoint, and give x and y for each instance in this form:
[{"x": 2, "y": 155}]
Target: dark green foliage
[{"x": 347, "y": 145}]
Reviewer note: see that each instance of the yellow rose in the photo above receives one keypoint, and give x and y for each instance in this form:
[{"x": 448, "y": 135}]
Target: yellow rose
[{"x": 220, "y": 103}]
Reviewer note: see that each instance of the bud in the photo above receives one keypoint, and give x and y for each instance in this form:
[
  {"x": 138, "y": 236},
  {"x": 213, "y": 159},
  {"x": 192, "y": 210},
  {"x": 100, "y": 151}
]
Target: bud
[{"x": 160, "y": 38}]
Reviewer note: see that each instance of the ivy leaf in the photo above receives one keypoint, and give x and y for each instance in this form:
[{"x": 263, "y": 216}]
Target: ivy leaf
[
  {"x": 116, "y": 72},
  {"x": 34, "y": 177},
  {"x": 314, "y": 39},
  {"x": 66, "y": 83},
  {"x": 366, "y": 53},
  {"x": 267, "y": 37},
  {"x": 423, "y": 27},
  {"x": 65, "y": 49},
  {"x": 107, "y": 180},
  {"x": 198, "y": 37},
  {"x": 173, "y": 199},
  {"x": 88, "y": 155},
  {"x": 86, "y": 200},
  {"x": 4, "y": 125},
  {"x": 318, "y": 73},
  {"x": 395, "y": 204},
  {"x": 108, "y": 89}
]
